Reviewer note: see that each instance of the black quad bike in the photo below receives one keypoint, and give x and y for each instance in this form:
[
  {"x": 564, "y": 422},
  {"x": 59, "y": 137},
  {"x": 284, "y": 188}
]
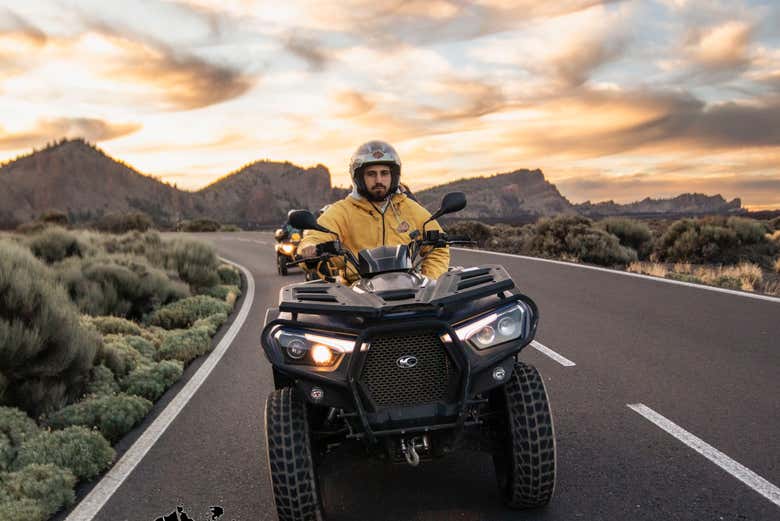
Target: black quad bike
[{"x": 406, "y": 368}]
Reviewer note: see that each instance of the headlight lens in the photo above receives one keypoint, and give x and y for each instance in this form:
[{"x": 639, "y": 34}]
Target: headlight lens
[
  {"x": 288, "y": 248},
  {"x": 496, "y": 328},
  {"x": 303, "y": 347}
]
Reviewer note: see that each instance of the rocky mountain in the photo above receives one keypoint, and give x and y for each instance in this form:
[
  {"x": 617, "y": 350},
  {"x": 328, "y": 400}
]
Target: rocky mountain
[
  {"x": 503, "y": 196},
  {"x": 79, "y": 179},
  {"x": 685, "y": 204}
]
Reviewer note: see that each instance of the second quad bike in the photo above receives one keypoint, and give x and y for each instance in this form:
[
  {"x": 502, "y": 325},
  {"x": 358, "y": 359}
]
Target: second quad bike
[
  {"x": 407, "y": 369},
  {"x": 286, "y": 249}
]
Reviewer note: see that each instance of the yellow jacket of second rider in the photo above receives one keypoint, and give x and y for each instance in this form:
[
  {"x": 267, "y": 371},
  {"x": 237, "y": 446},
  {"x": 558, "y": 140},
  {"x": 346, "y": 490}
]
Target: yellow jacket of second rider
[{"x": 361, "y": 224}]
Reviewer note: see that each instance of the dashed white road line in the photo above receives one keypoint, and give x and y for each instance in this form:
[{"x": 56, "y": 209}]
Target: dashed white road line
[
  {"x": 742, "y": 473},
  {"x": 552, "y": 354},
  {"x": 98, "y": 496}
]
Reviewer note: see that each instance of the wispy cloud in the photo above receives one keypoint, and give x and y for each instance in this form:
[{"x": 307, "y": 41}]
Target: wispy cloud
[{"x": 53, "y": 129}]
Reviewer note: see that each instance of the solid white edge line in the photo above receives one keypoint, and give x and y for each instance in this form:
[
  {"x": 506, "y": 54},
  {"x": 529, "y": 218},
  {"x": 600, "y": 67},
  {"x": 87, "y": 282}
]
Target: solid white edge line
[
  {"x": 742, "y": 473},
  {"x": 629, "y": 274},
  {"x": 552, "y": 354},
  {"x": 88, "y": 508}
]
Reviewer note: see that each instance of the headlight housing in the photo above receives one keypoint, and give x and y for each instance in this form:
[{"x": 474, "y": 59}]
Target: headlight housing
[
  {"x": 502, "y": 325},
  {"x": 308, "y": 348}
]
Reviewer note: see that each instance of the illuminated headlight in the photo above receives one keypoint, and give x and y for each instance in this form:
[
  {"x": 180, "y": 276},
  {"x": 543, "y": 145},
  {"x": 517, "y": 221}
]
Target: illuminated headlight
[
  {"x": 303, "y": 347},
  {"x": 496, "y": 328},
  {"x": 288, "y": 248}
]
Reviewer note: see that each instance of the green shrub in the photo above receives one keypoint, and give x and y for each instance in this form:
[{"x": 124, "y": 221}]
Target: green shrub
[
  {"x": 223, "y": 292},
  {"x": 119, "y": 356},
  {"x": 185, "y": 344},
  {"x": 185, "y": 312},
  {"x": 54, "y": 244},
  {"x": 749, "y": 231},
  {"x": 26, "y": 509},
  {"x": 119, "y": 285},
  {"x": 113, "y": 415},
  {"x": 84, "y": 452},
  {"x": 474, "y": 230},
  {"x": 142, "y": 345},
  {"x": 45, "y": 353},
  {"x": 195, "y": 262},
  {"x": 151, "y": 381},
  {"x": 715, "y": 240},
  {"x": 684, "y": 277},
  {"x": 200, "y": 225},
  {"x": 573, "y": 236},
  {"x": 148, "y": 245},
  {"x": 50, "y": 486},
  {"x": 115, "y": 325},
  {"x": 631, "y": 233},
  {"x": 211, "y": 323},
  {"x": 229, "y": 275},
  {"x": 15, "y": 428},
  {"x": 124, "y": 222},
  {"x": 727, "y": 282},
  {"x": 102, "y": 381}
]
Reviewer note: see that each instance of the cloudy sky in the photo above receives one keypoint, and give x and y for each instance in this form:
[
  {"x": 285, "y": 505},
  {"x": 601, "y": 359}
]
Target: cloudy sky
[{"x": 612, "y": 100}]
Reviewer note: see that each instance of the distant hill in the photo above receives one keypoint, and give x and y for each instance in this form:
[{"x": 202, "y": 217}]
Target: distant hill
[
  {"x": 78, "y": 178},
  {"x": 685, "y": 204},
  {"x": 503, "y": 196}
]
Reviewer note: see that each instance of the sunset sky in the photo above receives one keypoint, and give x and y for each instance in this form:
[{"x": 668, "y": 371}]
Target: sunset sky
[{"x": 612, "y": 100}]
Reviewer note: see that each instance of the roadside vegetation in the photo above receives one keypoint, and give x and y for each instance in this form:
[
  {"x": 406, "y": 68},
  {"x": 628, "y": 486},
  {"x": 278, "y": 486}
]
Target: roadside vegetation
[
  {"x": 729, "y": 252},
  {"x": 93, "y": 329}
]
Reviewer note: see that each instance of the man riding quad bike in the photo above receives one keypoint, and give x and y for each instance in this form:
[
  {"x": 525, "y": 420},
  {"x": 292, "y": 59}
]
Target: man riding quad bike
[
  {"x": 287, "y": 240},
  {"x": 406, "y": 365}
]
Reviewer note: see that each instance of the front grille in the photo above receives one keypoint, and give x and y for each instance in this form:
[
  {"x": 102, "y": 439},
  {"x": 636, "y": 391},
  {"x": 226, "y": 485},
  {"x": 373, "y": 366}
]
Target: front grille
[{"x": 392, "y": 386}]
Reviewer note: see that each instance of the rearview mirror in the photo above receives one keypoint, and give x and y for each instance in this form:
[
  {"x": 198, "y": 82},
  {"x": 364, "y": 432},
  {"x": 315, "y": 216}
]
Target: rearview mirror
[
  {"x": 452, "y": 202},
  {"x": 305, "y": 220}
]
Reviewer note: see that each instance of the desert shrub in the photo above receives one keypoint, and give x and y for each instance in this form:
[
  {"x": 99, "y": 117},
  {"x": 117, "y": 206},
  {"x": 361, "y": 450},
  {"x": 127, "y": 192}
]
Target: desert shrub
[
  {"x": 185, "y": 312},
  {"x": 31, "y": 227},
  {"x": 84, "y": 452},
  {"x": 16, "y": 509},
  {"x": 54, "y": 244},
  {"x": 631, "y": 233},
  {"x": 511, "y": 239},
  {"x": 102, "y": 381},
  {"x": 115, "y": 325},
  {"x": 148, "y": 244},
  {"x": 150, "y": 381},
  {"x": 55, "y": 217},
  {"x": 684, "y": 277},
  {"x": 211, "y": 323},
  {"x": 49, "y": 486},
  {"x": 230, "y": 228},
  {"x": 118, "y": 356},
  {"x": 45, "y": 353},
  {"x": 154, "y": 334},
  {"x": 228, "y": 275},
  {"x": 113, "y": 415},
  {"x": 200, "y": 225},
  {"x": 195, "y": 262},
  {"x": 715, "y": 240},
  {"x": 474, "y": 230},
  {"x": 577, "y": 237},
  {"x": 185, "y": 344},
  {"x": 224, "y": 292},
  {"x": 15, "y": 428},
  {"x": 124, "y": 222},
  {"x": 725, "y": 281},
  {"x": 648, "y": 268},
  {"x": 120, "y": 285},
  {"x": 774, "y": 224},
  {"x": 142, "y": 345}
]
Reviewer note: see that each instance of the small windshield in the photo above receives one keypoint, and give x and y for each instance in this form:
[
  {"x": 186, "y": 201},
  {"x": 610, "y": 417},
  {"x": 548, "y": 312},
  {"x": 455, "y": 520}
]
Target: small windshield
[{"x": 384, "y": 259}]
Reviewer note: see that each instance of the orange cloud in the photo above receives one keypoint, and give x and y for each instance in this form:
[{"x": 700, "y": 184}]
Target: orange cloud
[{"x": 47, "y": 130}]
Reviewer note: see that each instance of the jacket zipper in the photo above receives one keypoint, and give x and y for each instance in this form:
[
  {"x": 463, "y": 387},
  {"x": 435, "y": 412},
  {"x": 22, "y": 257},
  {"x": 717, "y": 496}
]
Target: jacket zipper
[{"x": 383, "y": 222}]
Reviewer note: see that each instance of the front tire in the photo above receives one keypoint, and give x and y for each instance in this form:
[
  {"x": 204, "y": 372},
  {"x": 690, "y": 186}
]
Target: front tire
[
  {"x": 281, "y": 265},
  {"x": 291, "y": 467},
  {"x": 525, "y": 459}
]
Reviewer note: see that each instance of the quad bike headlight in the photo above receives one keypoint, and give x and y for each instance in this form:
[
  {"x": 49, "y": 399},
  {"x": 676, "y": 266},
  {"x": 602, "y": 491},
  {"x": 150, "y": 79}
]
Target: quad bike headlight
[
  {"x": 501, "y": 326},
  {"x": 288, "y": 248},
  {"x": 307, "y": 348}
]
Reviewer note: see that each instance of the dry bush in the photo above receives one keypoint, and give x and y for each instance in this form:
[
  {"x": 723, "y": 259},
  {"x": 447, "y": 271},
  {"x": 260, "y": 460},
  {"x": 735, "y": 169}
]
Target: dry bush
[
  {"x": 744, "y": 276},
  {"x": 772, "y": 288},
  {"x": 683, "y": 267},
  {"x": 648, "y": 268}
]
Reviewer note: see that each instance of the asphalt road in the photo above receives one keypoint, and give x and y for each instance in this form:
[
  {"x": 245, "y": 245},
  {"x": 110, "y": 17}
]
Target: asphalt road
[{"x": 709, "y": 362}]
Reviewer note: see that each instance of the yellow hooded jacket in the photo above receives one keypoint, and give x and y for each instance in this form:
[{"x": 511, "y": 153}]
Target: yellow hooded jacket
[{"x": 360, "y": 224}]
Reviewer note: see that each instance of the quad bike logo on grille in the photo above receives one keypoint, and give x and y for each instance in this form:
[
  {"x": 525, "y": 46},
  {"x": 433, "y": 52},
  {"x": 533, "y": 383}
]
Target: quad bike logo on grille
[{"x": 407, "y": 362}]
